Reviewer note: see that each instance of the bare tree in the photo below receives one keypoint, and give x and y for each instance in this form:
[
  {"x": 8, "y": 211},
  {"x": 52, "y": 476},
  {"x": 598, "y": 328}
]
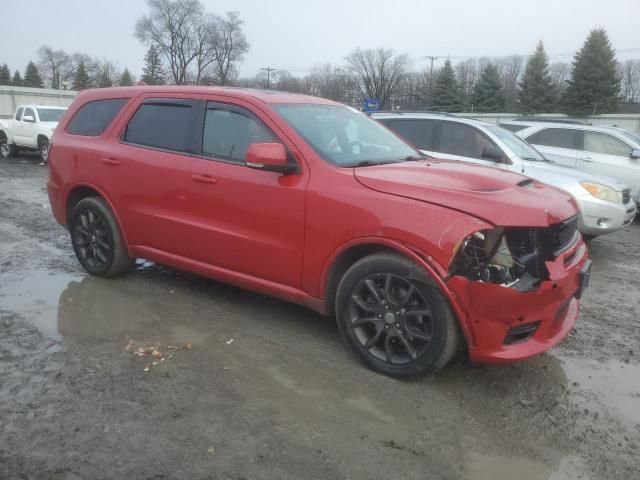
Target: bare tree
[
  {"x": 560, "y": 73},
  {"x": 467, "y": 74},
  {"x": 510, "y": 69},
  {"x": 629, "y": 73},
  {"x": 330, "y": 82},
  {"x": 53, "y": 65},
  {"x": 377, "y": 71},
  {"x": 228, "y": 44},
  {"x": 173, "y": 26}
]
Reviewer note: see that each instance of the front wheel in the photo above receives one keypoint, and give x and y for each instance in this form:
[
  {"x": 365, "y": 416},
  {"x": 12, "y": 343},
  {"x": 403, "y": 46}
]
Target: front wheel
[
  {"x": 6, "y": 149},
  {"x": 97, "y": 240},
  {"x": 394, "y": 318}
]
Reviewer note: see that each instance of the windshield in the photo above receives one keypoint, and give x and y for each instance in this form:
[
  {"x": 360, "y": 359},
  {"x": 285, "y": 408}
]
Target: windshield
[
  {"x": 50, "y": 114},
  {"x": 518, "y": 146},
  {"x": 344, "y": 136}
]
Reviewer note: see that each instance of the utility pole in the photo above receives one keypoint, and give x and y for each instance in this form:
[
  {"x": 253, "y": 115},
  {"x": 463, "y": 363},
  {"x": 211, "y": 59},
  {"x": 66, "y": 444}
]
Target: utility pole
[
  {"x": 429, "y": 57},
  {"x": 268, "y": 70}
]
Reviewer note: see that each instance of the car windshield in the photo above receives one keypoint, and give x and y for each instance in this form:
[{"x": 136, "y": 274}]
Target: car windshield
[
  {"x": 518, "y": 146},
  {"x": 50, "y": 114},
  {"x": 344, "y": 136}
]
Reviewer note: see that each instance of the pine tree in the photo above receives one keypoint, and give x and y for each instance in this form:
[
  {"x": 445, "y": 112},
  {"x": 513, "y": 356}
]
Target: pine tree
[
  {"x": 594, "y": 84},
  {"x": 537, "y": 93},
  {"x": 81, "y": 81},
  {"x": 126, "y": 79},
  {"x": 488, "y": 93},
  {"x": 104, "y": 80},
  {"x": 153, "y": 73},
  {"x": 446, "y": 92},
  {"x": 32, "y": 77},
  {"x": 17, "y": 79},
  {"x": 5, "y": 75}
]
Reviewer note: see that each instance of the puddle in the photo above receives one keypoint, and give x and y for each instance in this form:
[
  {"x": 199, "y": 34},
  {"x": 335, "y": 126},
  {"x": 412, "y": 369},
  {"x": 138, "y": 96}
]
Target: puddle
[
  {"x": 612, "y": 387},
  {"x": 494, "y": 467}
]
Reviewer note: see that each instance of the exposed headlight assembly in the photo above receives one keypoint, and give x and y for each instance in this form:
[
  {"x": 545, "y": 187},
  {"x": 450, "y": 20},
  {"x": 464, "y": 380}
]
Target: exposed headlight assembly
[{"x": 601, "y": 192}]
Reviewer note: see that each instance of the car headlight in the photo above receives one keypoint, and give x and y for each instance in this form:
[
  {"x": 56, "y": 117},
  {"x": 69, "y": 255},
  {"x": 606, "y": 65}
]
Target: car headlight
[{"x": 601, "y": 192}]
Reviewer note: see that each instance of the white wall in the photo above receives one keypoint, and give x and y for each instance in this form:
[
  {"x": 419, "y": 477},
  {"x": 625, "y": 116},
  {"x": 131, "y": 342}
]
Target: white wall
[
  {"x": 12, "y": 96},
  {"x": 628, "y": 121}
]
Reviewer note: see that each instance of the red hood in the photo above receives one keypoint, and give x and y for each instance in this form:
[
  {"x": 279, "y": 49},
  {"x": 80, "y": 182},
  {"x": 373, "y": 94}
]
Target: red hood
[{"x": 499, "y": 197}]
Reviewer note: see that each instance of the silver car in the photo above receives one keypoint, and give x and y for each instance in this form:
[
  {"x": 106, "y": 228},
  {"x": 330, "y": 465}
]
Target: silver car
[
  {"x": 606, "y": 204},
  {"x": 610, "y": 151}
]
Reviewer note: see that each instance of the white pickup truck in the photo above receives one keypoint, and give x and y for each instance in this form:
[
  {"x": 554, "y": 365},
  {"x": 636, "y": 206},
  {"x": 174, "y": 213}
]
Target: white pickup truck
[{"x": 30, "y": 128}]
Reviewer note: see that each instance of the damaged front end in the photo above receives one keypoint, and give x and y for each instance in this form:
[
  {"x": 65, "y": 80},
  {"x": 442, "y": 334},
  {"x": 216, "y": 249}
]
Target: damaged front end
[
  {"x": 513, "y": 257},
  {"x": 518, "y": 286}
]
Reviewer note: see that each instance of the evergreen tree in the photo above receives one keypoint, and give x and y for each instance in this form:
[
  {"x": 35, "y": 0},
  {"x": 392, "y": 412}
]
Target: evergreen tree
[
  {"x": 32, "y": 77},
  {"x": 104, "y": 80},
  {"x": 446, "y": 92},
  {"x": 5, "y": 75},
  {"x": 17, "y": 79},
  {"x": 537, "y": 93},
  {"x": 126, "y": 79},
  {"x": 81, "y": 81},
  {"x": 594, "y": 85},
  {"x": 488, "y": 93},
  {"x": 153, "y": 73}
]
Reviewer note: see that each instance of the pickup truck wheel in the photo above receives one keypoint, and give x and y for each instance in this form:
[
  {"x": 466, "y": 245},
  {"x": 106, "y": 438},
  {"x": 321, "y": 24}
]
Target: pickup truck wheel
[
  {"x": 97, "y": 240},
  {"x": 394, "y": 318},
  {"x": 44, "y": 150},
  {"x": 6, "y": 149}
]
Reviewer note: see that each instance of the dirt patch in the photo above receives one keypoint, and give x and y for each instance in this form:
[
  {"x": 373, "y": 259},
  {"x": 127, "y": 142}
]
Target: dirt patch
[{"x": 267, "y": 390}]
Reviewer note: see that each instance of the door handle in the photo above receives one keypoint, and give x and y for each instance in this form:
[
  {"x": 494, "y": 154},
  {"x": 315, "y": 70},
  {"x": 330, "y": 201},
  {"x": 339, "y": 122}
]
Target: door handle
[
  {"x": 587, "y": 159},
  {"x": 110, "y": 161},
  {"x": 203, "y": 178}
]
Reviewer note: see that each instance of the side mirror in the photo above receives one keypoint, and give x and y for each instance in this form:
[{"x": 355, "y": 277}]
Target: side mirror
[
  {"x": 28, "y": 118},
  {"x": 493, "y": 153},
  {"x": 271, "y": 157},
  {"x": 635, "y": 154}
]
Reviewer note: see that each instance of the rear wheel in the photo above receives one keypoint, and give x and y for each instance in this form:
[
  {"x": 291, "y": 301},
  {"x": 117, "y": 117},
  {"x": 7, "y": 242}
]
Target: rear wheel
[
  {"x": 43, "y": 148},
  {"x": 394, "y": 318},
  {"x": 97, "y": 240}
]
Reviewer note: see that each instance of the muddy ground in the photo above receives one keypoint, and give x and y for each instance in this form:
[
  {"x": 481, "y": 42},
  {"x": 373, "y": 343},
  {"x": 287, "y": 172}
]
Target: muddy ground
[{"x": 266, "y": 389}]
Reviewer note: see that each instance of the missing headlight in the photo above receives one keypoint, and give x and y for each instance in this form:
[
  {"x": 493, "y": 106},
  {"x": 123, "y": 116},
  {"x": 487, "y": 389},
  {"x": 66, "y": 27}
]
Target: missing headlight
[{"x": 510, "y": 257}]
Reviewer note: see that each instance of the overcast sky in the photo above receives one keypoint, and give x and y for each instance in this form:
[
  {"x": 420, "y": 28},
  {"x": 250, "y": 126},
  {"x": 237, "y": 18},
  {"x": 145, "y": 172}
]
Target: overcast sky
[{"x": 298, "y": 34}]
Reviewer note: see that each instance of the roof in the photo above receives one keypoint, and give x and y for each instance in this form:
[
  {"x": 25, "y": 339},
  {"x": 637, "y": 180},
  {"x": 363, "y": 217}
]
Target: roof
[
  {"x": 265, "y": 96},
  {"x": 430, "y": 115},
  {"x": 38, "y": 105}
]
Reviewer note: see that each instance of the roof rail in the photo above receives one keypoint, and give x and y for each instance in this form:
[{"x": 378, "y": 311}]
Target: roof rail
[
  {"x": 430, "y": 112},
  {"x": 550, "y": 120}
]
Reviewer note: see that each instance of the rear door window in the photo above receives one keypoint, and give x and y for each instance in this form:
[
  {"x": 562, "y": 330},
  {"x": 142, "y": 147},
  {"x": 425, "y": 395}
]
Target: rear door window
[
  {"x": 555, "y": 137},
  {"x": 419, "y": 133},
  {"x": 228, "y": 132},
  {"x": 597, "y": 142},
  {"x": 162, "y": 123},
  {"x": 93, "y": 118},
  {"x": 462, "y": 140}
]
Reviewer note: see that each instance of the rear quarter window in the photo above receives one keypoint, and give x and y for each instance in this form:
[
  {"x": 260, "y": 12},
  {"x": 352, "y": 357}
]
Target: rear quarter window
[{"x": 93, "y": 118}]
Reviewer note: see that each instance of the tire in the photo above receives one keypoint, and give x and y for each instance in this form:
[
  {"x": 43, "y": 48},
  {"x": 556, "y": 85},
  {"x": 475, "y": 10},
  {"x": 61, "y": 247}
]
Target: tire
[
  {"x": 7, "y": 149},
  {"x": 394, "y": 318},
  {"x": 97, "y": 240},
  {"x": 43, "y": 148}
]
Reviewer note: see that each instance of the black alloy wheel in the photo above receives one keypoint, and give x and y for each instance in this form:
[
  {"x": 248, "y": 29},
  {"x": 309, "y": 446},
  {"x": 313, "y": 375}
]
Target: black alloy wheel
[
  {"x": 391, "y": 318},
  {"x": 394, "y": 318},
  {"x": 97, "y": 240}
]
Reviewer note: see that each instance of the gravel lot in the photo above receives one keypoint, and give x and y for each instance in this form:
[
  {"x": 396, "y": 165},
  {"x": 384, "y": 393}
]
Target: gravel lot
[{"x": 257, "y": 388}]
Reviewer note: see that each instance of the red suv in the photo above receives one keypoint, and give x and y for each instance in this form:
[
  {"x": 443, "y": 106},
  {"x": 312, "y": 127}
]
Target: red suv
[{"x": 313, "y": 202}]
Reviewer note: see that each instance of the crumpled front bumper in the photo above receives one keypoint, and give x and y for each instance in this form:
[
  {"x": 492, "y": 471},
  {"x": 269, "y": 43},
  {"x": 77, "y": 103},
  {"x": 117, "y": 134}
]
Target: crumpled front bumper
[{"x": 493, "y": 311}]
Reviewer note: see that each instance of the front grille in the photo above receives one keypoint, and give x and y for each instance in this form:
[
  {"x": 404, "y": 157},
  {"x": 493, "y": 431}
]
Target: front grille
[
  {"x": 626, "y": 195},
  {"x": 563, "y": 235}
]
